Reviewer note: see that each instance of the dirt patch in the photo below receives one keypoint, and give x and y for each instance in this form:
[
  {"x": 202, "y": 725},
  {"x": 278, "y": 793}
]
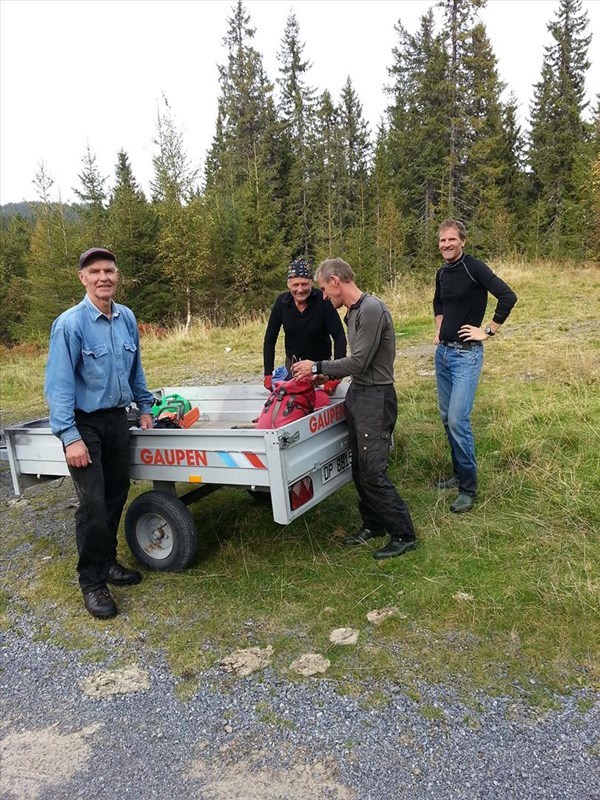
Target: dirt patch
[
  {"x": 343, "y": 636},
  {"x": 18, "y": 502},
  {"x": 245, "y": 662},
  {"x": 247, "y": 778},
  {"x": 417, "y": 351},
  {"x": 38, "y": 760},
  {"x": 378, "y": 615},
  {"x": 310, "y": 664},
  {"x": 115, "y": 681}
]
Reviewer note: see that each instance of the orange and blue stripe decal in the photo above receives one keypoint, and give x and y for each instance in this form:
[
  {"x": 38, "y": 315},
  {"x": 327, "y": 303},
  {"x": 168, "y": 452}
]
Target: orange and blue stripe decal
[{"x": 241, "y": 459}]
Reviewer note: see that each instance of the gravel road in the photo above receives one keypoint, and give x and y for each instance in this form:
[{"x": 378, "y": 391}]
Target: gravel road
[{"x": 73, "y": 729}]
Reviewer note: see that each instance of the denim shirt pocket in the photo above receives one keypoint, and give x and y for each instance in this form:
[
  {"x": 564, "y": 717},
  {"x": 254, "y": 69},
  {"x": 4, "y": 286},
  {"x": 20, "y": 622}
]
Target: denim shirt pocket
[
  {"x": 130, "y": 349},
  {"x": 95, "y": 365}
]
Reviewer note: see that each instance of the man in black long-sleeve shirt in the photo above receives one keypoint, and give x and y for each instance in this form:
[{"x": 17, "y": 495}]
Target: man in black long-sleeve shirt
[
  {"x": 309, "y": 322},
  {"x": 459, "y": 304}
]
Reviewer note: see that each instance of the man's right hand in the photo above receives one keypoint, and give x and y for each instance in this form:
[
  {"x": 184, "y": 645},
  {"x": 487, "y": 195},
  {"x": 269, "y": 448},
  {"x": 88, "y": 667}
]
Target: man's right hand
[
  {"x": 77, "y": 454},
  {"x": 303, "y": 369},
  {"x": 268, "y": 383}
]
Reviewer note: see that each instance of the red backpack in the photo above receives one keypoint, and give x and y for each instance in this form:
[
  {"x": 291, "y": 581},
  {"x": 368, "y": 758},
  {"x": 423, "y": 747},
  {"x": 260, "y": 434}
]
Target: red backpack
[{"x": 289, "y": 401}]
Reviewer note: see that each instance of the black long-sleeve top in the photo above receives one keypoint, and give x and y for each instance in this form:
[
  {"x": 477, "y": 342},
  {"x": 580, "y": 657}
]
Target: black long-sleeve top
[
  {"x": 308, "y": 333},
  {"x": 461, "y": 291}
]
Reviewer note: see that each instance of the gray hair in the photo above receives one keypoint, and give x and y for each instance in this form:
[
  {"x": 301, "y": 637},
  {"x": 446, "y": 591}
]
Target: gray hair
[{"x": 335, "y": 266}]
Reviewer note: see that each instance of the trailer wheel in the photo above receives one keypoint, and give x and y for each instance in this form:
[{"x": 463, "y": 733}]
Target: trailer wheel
[{"x": 160, "y": 531}]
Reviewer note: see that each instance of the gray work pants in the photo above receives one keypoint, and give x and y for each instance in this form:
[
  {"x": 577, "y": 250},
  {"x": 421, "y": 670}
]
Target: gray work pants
[{"x": 372, "y": 412}]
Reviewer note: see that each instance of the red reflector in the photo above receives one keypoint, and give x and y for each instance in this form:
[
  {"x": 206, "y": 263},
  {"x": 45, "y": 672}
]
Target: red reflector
[{"x": 301, "y": 492}]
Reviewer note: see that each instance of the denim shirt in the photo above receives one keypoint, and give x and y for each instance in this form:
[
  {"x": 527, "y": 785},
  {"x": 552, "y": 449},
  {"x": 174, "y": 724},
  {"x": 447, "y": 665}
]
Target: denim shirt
[{"x": 93, "y": 364}]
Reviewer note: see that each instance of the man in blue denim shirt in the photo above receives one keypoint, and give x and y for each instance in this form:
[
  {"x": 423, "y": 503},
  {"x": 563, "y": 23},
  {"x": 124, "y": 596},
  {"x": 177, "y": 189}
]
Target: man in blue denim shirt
[{"x": 93, "y": 373}]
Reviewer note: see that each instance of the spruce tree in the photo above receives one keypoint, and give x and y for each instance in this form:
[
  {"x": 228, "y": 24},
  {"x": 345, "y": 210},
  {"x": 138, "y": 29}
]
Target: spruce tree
[
  {"x": 328, "y": 176},
  {"x": 93, "y": 198},
  {"x": 132, "y": 234},
  {"x": 52, "y": 258},
  {"x": 354, "y": 201},
  {"x": 15, "y": 238},
  {"x": 482, "y": 196},
  {"x": 459, "y": 18},
  {"x": 181, "y": 260},
  {"x": 296, "y": 112},
  {"x": 587, "y": 175},
  {"x": 558, "y": 133},
  {"x": 513, "y": 180},
  {"x": 389, "y": 224},
  {"x": 419, "y": 136},
  {"x": 241, "y": 179},
  {"x": 242, "y": 105},
  {"x": 592, "y": 216}
]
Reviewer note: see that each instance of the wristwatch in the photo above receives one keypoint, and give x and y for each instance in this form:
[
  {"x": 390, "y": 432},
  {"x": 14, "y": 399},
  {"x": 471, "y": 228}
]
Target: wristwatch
[
  {"x": 488, "y": 331},
  {"x": 314, "y": 369}
]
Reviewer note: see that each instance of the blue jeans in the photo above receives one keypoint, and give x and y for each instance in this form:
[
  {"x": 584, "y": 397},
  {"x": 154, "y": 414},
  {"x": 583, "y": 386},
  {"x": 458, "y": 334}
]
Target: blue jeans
[{"x": 457, "y": 374}]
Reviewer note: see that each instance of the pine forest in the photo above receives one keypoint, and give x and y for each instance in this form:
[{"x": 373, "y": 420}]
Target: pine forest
[{"x": 293, "y": 171}]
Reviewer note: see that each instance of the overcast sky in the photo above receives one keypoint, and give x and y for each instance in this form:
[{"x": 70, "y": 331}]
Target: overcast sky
[{"x": 79, "y": 72}]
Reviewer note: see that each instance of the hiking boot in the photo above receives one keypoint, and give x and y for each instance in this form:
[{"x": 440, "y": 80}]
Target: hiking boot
[
  {"x": 447, "y": 483},
  {"x": 464, "y": 502},
  {"x": 99, "y": 603},
  {"x": 395, "y": 547},
  {"x": 121, "y": 576},
  {"x": 361, "y": 536}
]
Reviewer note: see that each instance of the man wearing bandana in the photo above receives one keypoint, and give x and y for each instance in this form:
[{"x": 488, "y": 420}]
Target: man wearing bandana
[{"x": 309, "y": 323}]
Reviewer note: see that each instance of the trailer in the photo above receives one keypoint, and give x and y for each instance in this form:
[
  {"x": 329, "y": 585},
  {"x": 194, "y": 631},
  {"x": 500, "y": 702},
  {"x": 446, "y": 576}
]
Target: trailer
[{"x": 293, "y": 467}]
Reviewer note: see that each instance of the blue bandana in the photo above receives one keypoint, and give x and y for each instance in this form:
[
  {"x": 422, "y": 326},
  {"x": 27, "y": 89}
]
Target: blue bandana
[{"x": 300, "y": 268}]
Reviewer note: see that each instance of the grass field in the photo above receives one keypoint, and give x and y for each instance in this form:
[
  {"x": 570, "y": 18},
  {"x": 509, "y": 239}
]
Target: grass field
[{"x": 505, "y": 598}]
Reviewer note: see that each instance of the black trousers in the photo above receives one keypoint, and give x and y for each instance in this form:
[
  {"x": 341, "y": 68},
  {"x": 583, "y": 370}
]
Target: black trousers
[
  {"x": 372, "y": 413},
  {"x": 102, "y": 489}
]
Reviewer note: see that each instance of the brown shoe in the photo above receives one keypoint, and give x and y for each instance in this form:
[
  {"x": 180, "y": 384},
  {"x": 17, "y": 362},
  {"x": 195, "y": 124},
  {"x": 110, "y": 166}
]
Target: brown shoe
[
  {"x": 121, "y": 576},
  {"x": 99, "y": 603}
]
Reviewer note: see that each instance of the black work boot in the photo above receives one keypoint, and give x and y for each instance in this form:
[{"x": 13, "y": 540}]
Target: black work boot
[
  {"x": 395, "y": 547},
  {"x": 361, "y": 536},
  {"x": 121, "y": 576},
  {"x": 447, "y": 483},
  {"x": 99, "y": 603},
  {"x": 464, "y": 502}
]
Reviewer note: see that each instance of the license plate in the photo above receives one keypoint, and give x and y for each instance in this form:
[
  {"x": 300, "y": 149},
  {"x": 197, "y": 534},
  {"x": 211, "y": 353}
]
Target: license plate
[{"x": 337, "y": 465}]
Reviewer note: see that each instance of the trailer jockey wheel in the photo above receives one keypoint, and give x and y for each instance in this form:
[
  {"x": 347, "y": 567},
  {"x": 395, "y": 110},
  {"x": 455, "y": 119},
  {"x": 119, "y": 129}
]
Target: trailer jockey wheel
[{"x": 160, "y": 531}]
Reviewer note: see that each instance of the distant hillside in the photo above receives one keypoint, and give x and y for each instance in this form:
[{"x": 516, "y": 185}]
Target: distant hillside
[{"x": 27, "y": 210}]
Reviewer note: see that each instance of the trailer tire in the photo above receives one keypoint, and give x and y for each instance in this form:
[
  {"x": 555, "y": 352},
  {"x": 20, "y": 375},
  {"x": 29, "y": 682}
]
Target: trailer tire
[{"x": 161, "y": 532}]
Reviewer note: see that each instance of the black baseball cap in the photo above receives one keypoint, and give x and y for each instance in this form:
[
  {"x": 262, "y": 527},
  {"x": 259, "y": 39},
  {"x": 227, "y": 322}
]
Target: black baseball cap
[{"x": 95, "y": 253}]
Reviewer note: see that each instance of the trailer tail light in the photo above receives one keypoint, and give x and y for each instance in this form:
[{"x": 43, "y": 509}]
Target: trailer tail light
[{"x": 301, "y": 492}]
